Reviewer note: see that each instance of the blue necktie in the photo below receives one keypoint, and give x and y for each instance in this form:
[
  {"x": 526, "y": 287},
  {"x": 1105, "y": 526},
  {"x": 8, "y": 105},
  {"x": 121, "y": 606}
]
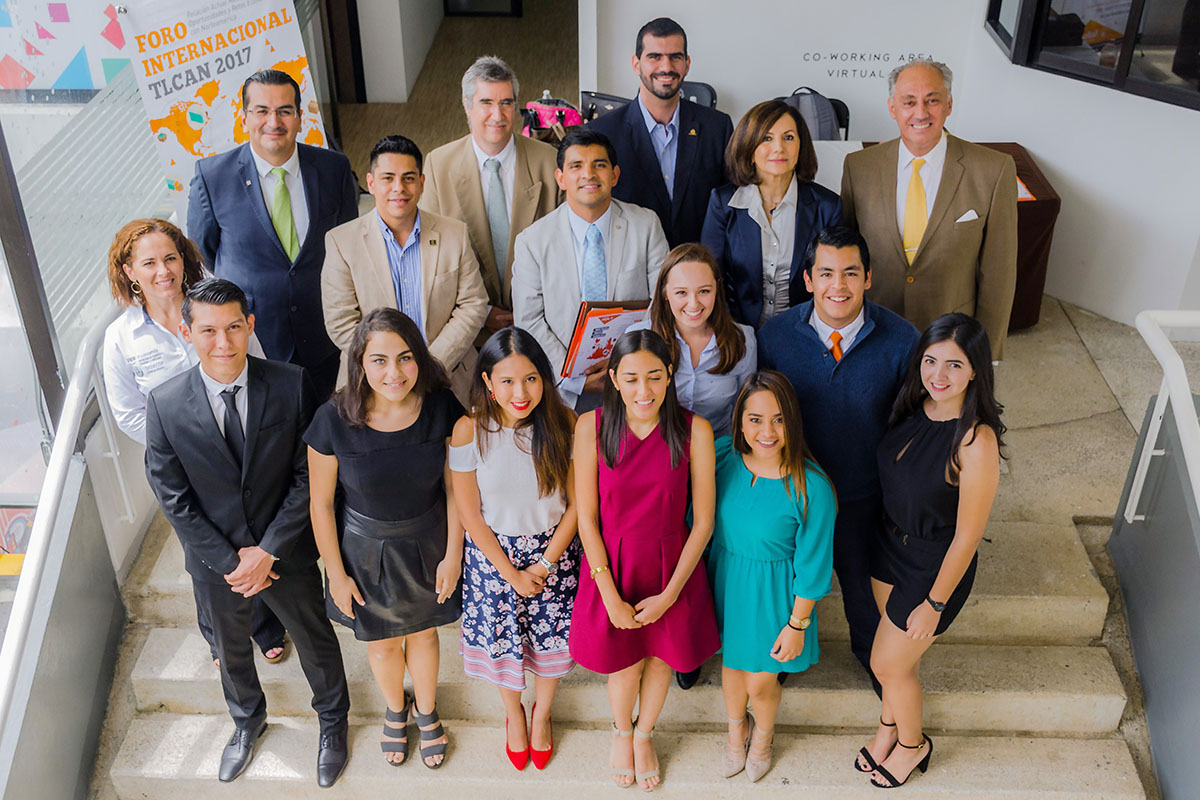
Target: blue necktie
[{"x": 595, "y": 281}]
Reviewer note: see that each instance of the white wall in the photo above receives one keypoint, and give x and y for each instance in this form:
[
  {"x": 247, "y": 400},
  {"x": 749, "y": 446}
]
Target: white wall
[
  {"x": 396, "y": 36},
  {"x": 420, "y": 20},
  {"x": 1126, "y": 167},
  {"x": 752, "y": 50}
]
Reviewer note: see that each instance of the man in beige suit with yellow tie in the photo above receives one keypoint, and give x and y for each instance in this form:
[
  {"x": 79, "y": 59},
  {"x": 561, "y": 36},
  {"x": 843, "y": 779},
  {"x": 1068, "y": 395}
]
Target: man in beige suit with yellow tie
[
  {"x": 400, "y": 257},
  {"x": 939, "y": 213},
  {"x": 493, "y": 179}
]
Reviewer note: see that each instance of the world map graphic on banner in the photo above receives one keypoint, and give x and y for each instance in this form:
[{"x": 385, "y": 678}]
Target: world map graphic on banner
[{"x": 190, "y": 60}]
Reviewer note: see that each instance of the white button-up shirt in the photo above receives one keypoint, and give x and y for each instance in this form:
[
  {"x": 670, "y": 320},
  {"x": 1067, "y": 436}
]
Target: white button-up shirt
[
  {"x": 931, "y": 176},
  {"x": 508, "y": 171},
  {"x": 849, "y": 332},
  {"x": 139, "y": 354},
  {"x": 213, "y": 389},
  {"x": 295, "y": 187}
]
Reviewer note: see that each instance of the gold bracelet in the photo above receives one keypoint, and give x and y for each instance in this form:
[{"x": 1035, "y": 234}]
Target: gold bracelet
[{"x": 597, "y": 570}]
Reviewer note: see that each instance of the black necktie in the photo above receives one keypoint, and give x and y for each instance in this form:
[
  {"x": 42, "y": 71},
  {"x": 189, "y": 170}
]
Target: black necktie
[{"x": 234, "y": 436}]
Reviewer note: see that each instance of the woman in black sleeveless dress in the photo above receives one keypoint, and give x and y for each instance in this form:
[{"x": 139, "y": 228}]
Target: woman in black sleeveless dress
[
  {"x": 939, "y": 466},
  {"x": 384, "y": 517}
]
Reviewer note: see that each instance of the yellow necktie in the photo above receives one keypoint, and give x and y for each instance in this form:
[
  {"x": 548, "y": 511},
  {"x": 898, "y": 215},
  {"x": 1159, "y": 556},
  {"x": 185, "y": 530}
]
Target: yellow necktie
[{"x": 916, "y": 215}]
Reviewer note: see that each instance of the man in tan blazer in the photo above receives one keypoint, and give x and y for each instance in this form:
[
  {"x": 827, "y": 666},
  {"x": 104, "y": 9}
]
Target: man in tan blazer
[
  {"x": 415, "y": 261},
  {"x": 957, "y": 251},
  {"x": 461, "y": 175}
]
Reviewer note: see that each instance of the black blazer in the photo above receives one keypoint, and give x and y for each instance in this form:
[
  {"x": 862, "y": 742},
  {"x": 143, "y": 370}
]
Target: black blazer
[
  {"x": 699, "y": 165},
  {"x": 736, "y": 240},
  {"x": 214, "y": 508},
  {"x": 228, "y": 219}
]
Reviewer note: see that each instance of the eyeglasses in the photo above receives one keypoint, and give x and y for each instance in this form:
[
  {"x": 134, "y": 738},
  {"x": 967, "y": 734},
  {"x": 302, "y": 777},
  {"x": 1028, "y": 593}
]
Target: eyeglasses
[{"x": 262, "y": 112}]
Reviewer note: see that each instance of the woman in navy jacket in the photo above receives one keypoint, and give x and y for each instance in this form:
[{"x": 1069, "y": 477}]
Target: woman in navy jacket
[{"x": 759, "y": 225}]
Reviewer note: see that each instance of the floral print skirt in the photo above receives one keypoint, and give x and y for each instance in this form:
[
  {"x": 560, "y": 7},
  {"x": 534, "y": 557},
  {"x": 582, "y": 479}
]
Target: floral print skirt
[{"x": 504, "y": 634}]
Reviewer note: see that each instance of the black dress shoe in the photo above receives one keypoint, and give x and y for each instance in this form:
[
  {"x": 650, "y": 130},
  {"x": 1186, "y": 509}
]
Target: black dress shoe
[
  {"x": 332, "y": 757},
  {"x": 687, "y": 680},
  {"x": 238, "y": 752}
]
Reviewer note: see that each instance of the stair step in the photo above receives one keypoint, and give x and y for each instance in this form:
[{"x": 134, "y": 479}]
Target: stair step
[
  {"x": 171, "y": 756},
  {"x": 1049, "y": 690},
  {"x": 1035, "y": 585}
]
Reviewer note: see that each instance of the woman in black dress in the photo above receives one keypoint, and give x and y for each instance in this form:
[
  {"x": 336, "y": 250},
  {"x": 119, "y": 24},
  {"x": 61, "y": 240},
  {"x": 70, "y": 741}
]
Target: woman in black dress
[
  {"x": 384, "y": 516},
  {"x": 939, "y": 466}
]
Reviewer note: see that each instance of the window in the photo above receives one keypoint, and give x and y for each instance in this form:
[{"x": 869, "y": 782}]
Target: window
[{"x": 1146, "y": 47}]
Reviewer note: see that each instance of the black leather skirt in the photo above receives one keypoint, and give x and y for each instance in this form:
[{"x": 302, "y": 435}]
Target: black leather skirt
[
  {"x": 394, "y": 565},
  {"x": 911, "y": 565}
]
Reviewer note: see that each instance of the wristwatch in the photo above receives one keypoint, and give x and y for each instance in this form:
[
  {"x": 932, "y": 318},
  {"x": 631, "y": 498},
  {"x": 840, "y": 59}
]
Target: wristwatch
[
  {"x": 938, "y": 607},
  {"x": 551, "y": 566},
  {"x": 799, "y": 624}
]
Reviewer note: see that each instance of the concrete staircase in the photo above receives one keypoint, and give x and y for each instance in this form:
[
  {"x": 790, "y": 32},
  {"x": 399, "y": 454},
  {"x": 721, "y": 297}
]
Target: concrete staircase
[{"x": 1020, "y": 699}]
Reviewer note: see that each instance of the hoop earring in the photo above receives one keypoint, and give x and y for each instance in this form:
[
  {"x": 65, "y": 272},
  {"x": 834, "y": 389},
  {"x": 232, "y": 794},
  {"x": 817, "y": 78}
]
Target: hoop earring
[{"x": 135, "y": 287}]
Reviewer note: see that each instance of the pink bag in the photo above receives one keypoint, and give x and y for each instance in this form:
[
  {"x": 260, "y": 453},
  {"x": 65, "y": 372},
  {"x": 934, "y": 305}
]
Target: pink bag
[{"x": 549, "y": 119}]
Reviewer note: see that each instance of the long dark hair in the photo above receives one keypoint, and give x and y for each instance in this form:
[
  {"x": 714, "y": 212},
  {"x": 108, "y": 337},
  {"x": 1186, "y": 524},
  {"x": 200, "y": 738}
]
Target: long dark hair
[
  {"x": 354, "y": 399},
  {"x": 795, "y": 447},
  {"x": 731, "y": 340},
  {"x": 550, "y": 424},
  {"x": 979, "y": 403},
  {"x": 671, "y": 423}
]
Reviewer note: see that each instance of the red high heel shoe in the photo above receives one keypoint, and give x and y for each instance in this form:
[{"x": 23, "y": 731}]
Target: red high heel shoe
[
  {"x": 540, "y": 757},
  {"x": 519, "y": 758}
]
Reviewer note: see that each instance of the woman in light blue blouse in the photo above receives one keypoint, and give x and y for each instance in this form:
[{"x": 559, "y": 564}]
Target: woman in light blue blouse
[{"x": 713, "y": 354}]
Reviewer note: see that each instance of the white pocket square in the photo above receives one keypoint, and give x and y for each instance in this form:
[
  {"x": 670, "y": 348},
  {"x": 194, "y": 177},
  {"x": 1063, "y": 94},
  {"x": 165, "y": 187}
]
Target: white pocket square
[{"x": 967, "y": 217}]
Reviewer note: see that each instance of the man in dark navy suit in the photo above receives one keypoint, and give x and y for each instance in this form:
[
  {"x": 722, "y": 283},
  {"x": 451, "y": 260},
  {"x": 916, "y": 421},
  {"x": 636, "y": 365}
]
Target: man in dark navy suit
[
  {"x": 225, "y": 456},
  {"x": 260, "y": 213},
  {"x": 672, "y": 150}
]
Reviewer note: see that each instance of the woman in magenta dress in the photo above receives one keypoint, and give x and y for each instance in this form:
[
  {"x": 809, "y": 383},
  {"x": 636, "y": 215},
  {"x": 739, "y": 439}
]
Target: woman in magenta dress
[{"x": 643, "y": 608}]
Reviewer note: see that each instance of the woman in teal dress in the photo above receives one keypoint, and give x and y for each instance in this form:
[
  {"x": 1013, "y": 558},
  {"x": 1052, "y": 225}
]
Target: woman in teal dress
[{"x": 771, "y": 561}]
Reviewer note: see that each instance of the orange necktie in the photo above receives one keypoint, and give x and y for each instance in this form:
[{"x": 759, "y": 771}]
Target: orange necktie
[{"x": 836, "y": 338}]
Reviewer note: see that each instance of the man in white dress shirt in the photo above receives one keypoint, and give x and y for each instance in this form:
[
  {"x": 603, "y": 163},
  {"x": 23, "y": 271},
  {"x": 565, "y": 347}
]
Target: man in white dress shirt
[{"x": 590, "y": 248}]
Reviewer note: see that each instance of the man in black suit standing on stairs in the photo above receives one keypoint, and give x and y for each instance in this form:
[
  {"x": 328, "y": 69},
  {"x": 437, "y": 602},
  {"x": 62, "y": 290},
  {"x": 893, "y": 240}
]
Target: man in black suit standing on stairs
[{"x": 226, "y": 459}]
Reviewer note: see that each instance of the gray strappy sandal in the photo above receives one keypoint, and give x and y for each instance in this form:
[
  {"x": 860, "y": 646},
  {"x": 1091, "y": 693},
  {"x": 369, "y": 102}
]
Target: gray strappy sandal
[
  {"x": 429, "y": 735},
  {"x": 396, "y": 733}
]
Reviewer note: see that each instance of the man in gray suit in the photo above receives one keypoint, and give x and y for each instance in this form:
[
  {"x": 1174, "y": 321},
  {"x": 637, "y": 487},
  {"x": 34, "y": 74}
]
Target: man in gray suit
[{"x": 590, "y": 248}]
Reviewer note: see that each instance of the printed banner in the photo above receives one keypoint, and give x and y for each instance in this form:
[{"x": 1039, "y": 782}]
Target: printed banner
[{"x": 191, "y": 58}]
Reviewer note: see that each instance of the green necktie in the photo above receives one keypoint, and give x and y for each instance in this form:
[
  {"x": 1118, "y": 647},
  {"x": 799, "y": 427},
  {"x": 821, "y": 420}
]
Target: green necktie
[{"x": 281, "y": 216}]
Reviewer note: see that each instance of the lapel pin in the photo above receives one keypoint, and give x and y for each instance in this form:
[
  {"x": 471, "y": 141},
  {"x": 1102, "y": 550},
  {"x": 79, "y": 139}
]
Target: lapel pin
[
  {"x": 247, "y": 183},
  {"x": 692, "y": 132}
]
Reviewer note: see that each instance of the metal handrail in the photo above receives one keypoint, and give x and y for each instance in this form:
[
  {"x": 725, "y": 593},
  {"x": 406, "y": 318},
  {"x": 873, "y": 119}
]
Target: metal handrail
[
  {"x": 46, "y": 516},
  {"x": 1175, "y": 387}
]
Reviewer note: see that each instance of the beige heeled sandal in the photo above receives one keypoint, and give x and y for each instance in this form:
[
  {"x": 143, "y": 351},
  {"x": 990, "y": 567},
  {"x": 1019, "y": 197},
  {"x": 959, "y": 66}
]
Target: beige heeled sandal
[
  {"x": 638, "y": 733},
  {"x": 759, "y": 765},
  {"x": 621, "y": 772},
  {"x": 734, "y": 760}
]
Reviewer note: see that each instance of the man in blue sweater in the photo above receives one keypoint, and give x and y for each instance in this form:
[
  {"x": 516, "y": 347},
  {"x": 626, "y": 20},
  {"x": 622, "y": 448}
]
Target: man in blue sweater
[{"x": 846, "y": 359}]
